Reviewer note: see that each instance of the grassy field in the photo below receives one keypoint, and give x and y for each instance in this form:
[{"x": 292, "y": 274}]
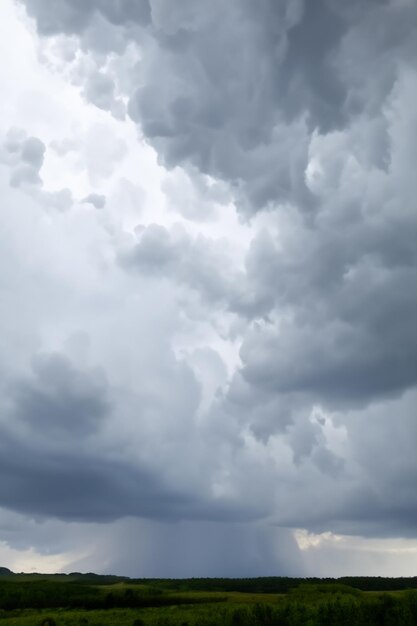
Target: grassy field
[
  {"x": 95, "y": 601},
  {"x": 189, "y": 607}
]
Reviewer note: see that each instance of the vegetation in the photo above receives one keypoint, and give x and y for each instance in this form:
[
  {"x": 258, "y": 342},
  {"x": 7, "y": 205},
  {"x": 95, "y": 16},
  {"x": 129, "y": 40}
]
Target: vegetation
[{"x": 91, "y": 600}]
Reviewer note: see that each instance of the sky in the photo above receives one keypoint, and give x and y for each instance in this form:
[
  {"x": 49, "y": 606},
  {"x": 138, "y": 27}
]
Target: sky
[{"x": 208, "y": 270}]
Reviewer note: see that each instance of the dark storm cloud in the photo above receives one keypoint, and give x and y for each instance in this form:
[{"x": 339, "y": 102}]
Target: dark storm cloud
[
  {"x": 74, "y": 16},
  {"x": 56, "y": 459},
  {"x": 52, "y": 461},
  {"x": 49, "y": 461},
  {"x": 378, "y": 498},
  {"x": 238, "y": 116},
  {"x": 218, "y": 107},
  {"x": 386, "y": 501},
  {"x": 341, "y": 358},
  {"x": 83, "y": 485},
  {"x": 344, "y": 287},
  {"x": 59, "y": 399},
  {"x": 305, "y": 105},
  {"x": 236, "y": 90}
]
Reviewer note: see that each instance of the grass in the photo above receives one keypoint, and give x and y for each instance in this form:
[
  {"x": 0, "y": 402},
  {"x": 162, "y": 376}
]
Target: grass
[
  {"x": 186, "y": 603},
  {"x": 156, "y": 616}
]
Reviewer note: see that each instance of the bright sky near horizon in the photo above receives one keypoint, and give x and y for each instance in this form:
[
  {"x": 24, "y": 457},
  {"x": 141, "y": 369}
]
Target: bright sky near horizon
[{"x": 208, "y": 270}]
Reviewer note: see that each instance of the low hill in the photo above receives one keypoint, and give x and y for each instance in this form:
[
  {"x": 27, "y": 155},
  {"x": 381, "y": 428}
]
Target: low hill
[{"x": 5, "y": 571}]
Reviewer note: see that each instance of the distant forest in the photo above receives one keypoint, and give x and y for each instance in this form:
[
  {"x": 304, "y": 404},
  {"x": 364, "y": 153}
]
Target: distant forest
[
  {"x": 262, "y": 584},
  {"x": 76, "y": 598}
]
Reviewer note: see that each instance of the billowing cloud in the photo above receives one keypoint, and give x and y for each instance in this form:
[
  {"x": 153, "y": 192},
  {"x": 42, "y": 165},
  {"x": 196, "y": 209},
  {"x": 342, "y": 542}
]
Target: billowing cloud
[
  {"x": 236, "y": 92},
  {"x": 25, "y": 156},
  {"x": 200, "y": 264},
  {"x": 96, "y": 199},
  {"x": 227, "y": 346}
]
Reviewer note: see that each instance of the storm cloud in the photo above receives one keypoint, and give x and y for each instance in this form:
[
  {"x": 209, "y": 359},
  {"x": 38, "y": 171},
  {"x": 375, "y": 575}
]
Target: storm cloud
[{"x": 227, "y": 346}]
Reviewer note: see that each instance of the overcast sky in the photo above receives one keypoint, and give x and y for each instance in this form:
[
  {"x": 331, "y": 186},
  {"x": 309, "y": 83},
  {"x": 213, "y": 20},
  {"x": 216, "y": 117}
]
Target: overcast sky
[{"x": 208, "y": 271}]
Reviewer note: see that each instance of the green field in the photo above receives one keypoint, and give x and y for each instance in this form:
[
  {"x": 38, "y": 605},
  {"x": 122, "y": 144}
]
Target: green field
[{"x": 89, "y": 600}]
